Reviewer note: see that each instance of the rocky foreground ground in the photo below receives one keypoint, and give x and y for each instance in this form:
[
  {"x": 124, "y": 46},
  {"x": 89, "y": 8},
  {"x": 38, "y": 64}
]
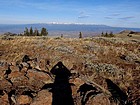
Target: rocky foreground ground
[{"x": 96, "y": 71}]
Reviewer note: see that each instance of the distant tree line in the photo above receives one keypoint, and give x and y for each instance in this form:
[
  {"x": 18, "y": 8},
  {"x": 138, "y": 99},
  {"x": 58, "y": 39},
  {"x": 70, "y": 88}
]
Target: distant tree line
[
  {"x": 35, "y": 32},
  {"x": 107, "y": 34}
]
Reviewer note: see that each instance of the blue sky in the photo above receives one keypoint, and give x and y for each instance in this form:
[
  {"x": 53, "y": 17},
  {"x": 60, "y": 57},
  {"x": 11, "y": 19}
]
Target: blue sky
[{"x": 120, "y": 13}]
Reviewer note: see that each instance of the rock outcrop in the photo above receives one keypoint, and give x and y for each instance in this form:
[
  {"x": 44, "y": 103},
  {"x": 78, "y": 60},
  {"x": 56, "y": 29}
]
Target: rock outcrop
[{"x": 25, "y": 84}]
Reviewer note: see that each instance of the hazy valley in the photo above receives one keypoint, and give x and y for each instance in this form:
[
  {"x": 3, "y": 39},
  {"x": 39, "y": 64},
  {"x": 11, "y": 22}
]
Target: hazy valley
[{"x": 68, "y": 30}]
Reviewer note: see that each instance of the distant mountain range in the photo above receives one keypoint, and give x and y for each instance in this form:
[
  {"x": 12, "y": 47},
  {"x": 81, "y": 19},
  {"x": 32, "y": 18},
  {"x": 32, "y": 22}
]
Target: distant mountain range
[{"x": 65, "y": 29}]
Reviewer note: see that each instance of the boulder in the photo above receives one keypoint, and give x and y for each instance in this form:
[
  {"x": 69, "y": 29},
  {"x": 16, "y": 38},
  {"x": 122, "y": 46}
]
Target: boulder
[
  {"x": 39, "y": 75},
  {"x": 18, "y": 79},
  {"x": 4, "y": 99},
  {"x": 43, "y": 98},
  {"x": 99, "y": 99},
  {"x": 37, "y": 79},
  {"x": 5, "y": 85},
  {"x": 24, "y": 100}
]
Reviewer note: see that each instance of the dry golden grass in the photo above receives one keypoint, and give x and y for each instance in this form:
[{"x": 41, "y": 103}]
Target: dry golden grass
[
  {"x": 131, "y": 36},
  {"x": 98, "y": 57}
]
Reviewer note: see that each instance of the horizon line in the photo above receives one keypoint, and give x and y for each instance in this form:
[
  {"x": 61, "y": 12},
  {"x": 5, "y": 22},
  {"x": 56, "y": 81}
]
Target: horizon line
[{"x": 57, "y": 23}]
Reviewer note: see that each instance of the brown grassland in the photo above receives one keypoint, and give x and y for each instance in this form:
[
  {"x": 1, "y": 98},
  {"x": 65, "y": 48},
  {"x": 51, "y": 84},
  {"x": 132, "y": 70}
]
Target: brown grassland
[{"x": 96, "y": 59}]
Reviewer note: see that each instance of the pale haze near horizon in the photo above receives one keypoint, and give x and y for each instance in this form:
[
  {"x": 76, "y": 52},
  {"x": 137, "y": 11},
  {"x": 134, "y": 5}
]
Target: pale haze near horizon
[{"x": 117, "y": 13}]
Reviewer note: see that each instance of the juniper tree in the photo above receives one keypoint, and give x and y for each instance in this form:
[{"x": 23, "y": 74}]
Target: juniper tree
[
  {"x": 44, "y": 32},
  {"x": 31, "y": 31},
  {"x": 62, "y": 36},
  {"x": 80, "y": 35},
  {"x": 102, "y": 34},
  {"x": 36, "y": 32},
  {"x": 106, "y": 34},
  {"x": 111, "y": 34},
  {"x": 26, "y": 32}
]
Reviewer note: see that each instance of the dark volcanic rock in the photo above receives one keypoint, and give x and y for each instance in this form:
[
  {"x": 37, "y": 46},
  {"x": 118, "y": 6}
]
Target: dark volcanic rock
[
  {"x": 18, "y": 79},
  {"x": 4, "y": 99},
  {"x": 5, "y": 85},
  {"x": 24, "y": 100},
  {"x": 37, "y": 79},
  {"x": 43, "y": 97}
]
